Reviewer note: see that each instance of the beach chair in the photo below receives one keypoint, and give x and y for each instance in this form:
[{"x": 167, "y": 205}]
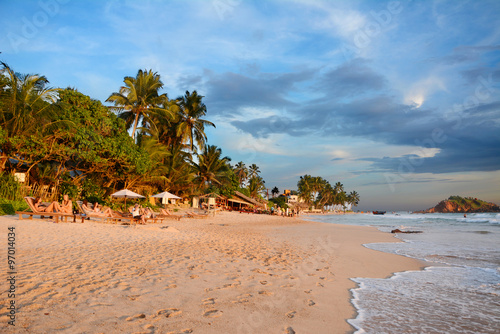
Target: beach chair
[
  {"x": 191, "y": 214},
  {"x": 167, "y": 216},
  {"x": 55, "y": 215},
  {"x": 102, "y": 217}
]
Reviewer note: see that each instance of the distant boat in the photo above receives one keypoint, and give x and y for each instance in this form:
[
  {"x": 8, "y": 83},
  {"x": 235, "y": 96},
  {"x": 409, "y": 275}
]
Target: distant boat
[{"x": 378, "y": 212}]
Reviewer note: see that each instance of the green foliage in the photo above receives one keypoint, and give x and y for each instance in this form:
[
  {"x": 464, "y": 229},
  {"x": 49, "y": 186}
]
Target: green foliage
[
  {"x": 279, "y": 201},
  {"x": 67, "y": 187},
  {"x": 9, "y": 188},
  {"x": 91, "y": 191},
  {"x": 9, "y": 207},
  {"x": 474, "y": 203}
]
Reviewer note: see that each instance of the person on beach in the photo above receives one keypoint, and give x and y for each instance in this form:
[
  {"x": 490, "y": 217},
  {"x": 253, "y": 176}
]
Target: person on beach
[
  {"x": 41, "y": 207},
  {"x": 136, "y": 214},
  {"x": 66, "y": 206}
]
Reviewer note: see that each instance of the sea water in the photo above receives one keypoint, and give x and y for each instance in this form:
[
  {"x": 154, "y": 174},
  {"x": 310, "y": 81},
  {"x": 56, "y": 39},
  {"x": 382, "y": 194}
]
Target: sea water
[{"x": 459, "y": 292}]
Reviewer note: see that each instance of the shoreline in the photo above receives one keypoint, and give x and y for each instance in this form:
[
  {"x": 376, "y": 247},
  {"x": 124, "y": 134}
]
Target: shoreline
[{"x": 232, "y": 272}]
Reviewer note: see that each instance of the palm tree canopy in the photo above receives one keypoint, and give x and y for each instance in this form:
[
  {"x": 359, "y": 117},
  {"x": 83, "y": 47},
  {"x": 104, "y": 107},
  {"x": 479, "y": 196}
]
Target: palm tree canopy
[
  {"x": 191, "y": 127},
  {"x": 139, "y": 97}
]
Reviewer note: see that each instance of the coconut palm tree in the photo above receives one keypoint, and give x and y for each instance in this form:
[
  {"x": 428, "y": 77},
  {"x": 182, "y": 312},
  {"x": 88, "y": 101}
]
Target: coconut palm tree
[
  {"x": 353, "y": 198},
  {"x": 253, "y": 171},
  {"x": 275, "y": 191},
  {"x": 190, "y": 127},
  {"x": 256, "y": 185},
  {"x": 26, "y": 102},
  {"x": 139, "y": 98},
  {"x": 241, "y": 172},
  {"x": 27, "y": 106},
  {"x": 211, "y": 167}
]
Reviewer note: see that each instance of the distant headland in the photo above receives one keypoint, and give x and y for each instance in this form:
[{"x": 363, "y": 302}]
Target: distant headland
[{"x": 457, "y": 204}]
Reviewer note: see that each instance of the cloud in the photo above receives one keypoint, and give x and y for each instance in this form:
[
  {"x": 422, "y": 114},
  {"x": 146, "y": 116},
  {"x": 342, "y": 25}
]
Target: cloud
[
  {"x": 465, "y": 54},
  {"x": 353, "y": 78},
  {"x": 229, "y": 92}
]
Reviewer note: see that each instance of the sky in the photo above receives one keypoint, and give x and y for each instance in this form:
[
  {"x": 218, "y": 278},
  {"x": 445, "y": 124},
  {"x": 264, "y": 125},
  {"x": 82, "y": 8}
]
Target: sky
[{"x": 399, "y": 101}]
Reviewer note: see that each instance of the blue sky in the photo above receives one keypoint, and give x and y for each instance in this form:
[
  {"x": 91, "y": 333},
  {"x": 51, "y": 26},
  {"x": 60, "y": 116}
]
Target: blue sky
[{"x": 399, "y": 101}]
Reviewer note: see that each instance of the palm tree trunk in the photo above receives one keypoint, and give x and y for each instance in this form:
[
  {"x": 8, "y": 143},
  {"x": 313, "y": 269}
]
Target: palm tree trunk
[{"x": 135, "y": 123}]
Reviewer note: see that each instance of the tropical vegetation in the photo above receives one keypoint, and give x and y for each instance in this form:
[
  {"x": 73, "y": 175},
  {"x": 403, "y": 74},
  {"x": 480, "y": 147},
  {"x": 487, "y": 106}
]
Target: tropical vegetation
[
  {"x": 66, "y": 142},
  {"x": 64, "y": 139}
]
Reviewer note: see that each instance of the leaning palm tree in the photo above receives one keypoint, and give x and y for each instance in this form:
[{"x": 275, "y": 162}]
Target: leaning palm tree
[
  {"x": 190, "y": 127},
  {"x": 139, "y": 98}
]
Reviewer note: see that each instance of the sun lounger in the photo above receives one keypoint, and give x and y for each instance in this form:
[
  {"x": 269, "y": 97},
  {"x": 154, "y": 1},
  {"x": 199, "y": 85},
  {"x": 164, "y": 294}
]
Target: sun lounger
[
  {"x": 102, "y": 217},
  {"x": 42, "y": 214},
  {"x": 191, "y": 214}
]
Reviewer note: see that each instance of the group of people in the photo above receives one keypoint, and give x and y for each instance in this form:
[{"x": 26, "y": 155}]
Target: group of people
[
  {"x": 66, "y": 206},
  {"x": 284, "y": 212}
]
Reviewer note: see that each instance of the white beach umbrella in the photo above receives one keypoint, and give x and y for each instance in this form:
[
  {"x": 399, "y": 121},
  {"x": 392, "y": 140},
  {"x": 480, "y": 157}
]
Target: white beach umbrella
[
  {"x": 166, "y": 195},
  {"x": 125, "y": 193}
]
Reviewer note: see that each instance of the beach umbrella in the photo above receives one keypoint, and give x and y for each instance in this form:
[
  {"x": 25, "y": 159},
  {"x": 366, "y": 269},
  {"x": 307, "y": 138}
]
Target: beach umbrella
[
  {"x": 125, "y": 193},
  {"x": 166, "y": 195}
]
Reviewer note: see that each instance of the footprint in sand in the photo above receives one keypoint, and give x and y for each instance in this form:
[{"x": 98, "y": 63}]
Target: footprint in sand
[
  {"x": 291, "y": 314},
  {"x": 208, "y": 301},
  {"x": 183, "y": 331},
  {"x": 170, "y": 312},
  {"x": 265, "y": 293},
  {"x": 289, "y": 330},
  {"x": 320, "y": 285},
  {"x": 263, "y": 282},
  {"x": 289, "y": 285},
  {"x": 310, "y": 302},
  {"x": 137, "y": 316},
  {"x": 212, "y": 313}
]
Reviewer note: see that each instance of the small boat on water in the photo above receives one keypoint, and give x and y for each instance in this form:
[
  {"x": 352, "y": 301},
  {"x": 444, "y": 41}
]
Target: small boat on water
[{"x": 378, "y": 212}]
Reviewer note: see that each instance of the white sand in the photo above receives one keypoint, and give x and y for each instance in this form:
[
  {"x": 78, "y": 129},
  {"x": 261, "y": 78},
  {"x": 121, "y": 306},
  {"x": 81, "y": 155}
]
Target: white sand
[{"x": 234, "y": 273}]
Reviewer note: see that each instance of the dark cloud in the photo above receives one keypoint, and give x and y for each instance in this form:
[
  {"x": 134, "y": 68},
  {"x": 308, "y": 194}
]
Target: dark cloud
[
  {"x": 353, "y": 78},
  {"x": 227, "y": 93},
  {"x": 464, "y": 53}
]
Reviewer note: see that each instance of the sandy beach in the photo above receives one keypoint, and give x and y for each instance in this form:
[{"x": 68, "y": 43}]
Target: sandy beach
[{"x": 232, "y": 273}]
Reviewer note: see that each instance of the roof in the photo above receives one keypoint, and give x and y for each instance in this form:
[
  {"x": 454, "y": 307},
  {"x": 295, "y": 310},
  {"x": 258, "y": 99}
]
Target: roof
[
  {"x": 235, "y": 200},
  {"x": 248, "y": 199}
]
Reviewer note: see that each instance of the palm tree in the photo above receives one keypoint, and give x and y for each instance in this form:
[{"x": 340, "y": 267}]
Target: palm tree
[
  {"x": 256, "y": 185},
  {"x": 211, "y": 167},
  {"x": 190, "y": 126},
  {"x": 26, "y": 102},
  {"x": 27, "y": 106},
  {"x": 254, "y": 171},
  {"x": 139, "y": 98},
  {"x": 275, "y": 191},
  {"x": 353, "y": 198},
  {"x": 241, "y": 172}
]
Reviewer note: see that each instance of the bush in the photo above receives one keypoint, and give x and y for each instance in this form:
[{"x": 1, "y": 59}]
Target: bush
[
  {"x": 9, "y": 207},
  {"x": 10, "y": 188}
]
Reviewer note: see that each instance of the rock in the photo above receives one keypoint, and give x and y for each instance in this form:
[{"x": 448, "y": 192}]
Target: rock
[{"x": 399, "y": 231}]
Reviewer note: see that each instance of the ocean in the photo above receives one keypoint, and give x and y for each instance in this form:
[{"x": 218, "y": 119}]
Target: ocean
[{"x": 459, "y": 292}]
